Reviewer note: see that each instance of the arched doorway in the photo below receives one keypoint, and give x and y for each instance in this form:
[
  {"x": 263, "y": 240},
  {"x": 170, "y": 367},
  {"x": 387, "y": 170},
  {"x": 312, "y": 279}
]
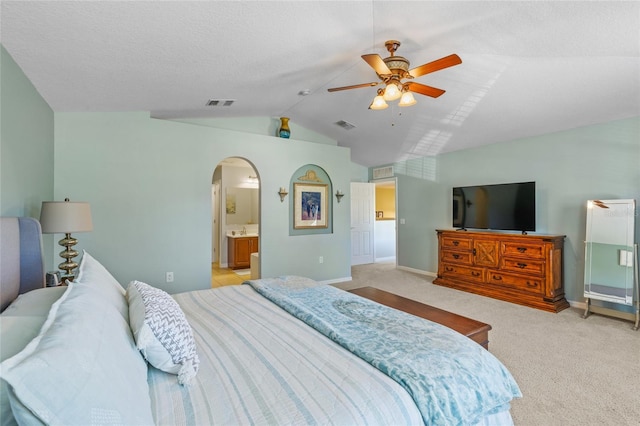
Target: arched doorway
[{"x": 235, "y": 207}]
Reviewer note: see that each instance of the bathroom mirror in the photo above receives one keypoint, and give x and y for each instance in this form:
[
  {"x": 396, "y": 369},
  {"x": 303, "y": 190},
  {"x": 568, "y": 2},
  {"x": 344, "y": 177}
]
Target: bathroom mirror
[
  {"x": 610, "y": 252},
  {"x": 241, "y": 206}
]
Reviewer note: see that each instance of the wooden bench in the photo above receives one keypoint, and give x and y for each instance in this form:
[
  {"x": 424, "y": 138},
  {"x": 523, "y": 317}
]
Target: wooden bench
[{"x": 475, "y": 330}]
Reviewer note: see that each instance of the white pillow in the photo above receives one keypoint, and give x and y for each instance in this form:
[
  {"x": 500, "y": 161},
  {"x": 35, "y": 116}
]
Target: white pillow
[
  {"x": 92, "y": 272},
  {"x": 161, "y": 331},
  {"x": 20, "y": 323},
  {"x": 15, "y": 333},
  {"x": 35, "y": 302},
  {"x": 82, "y": 368}
]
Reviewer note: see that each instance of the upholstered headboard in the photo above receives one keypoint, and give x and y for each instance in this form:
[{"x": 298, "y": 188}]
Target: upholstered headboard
[{"x": 21, "y": 261}]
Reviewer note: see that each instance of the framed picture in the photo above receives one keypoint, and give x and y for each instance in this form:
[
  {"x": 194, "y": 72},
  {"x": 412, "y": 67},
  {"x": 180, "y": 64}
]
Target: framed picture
[
  {"x": 231, "y": 203},
  {"x": 310, "y": 205}
]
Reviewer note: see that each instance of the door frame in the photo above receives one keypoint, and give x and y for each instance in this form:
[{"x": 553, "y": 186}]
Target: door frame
[
  {"x": 386, "y": 181},
  {"x": 218, "y": 205}
]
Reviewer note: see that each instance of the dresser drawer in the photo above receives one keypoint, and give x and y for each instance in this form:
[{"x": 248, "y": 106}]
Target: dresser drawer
[
  {"x": 461, "y": 257},
  {"x": 523, "y": 250},
  {"x": 530, "y": 284},
  {"x": 457, "y": 243},
  {"x": 463, "y": 272},
  {"x": 523, "y": 265}
]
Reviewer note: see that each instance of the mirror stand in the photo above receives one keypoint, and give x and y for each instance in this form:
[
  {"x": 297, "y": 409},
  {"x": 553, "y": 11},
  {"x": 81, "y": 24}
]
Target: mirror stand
[
  {"x": 611, "y": 258},
  {"x": 589, "y": 309}
]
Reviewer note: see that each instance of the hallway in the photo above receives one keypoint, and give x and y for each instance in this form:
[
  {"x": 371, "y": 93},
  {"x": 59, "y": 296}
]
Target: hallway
[{"x": 224, "y": 276}]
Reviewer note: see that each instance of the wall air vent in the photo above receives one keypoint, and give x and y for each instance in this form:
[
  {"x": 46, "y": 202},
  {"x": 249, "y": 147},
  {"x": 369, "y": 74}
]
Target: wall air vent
[
  {"x": 383, "y": 172},
  {"x": 345, "y": 125},
  {"x": 220, "y": 102}
]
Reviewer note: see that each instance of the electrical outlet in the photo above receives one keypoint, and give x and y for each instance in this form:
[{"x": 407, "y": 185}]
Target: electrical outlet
[
  {"x": 321, "y": 259},
  {"x": 169, "y": 277}
]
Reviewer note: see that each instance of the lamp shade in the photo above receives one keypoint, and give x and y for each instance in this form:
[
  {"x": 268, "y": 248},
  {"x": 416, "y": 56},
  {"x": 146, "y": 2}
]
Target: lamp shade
[
  {"x": 65, "y": 217},
  {"x": 378, "y": 103},
  {"x": 392, "y": 92},
  {"x": 407, "y": 100}
]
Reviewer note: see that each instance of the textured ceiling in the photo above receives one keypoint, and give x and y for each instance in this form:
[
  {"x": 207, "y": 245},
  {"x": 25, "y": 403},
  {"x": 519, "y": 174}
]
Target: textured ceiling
[{"x": 529, "y": 68}]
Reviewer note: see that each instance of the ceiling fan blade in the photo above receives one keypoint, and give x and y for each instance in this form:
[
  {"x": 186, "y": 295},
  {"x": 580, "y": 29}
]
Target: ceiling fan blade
[
  {"x": 446, "y": 62},
  {"x": 376, "y": 62},
  {"x": 355, "y": 86},
  {"x": 424, "y": 90}
]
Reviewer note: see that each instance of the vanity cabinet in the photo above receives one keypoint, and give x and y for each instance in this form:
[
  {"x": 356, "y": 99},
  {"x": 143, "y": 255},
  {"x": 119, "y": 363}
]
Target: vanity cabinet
[
  {"x": 523, "y": 269},
  {"x": 239, "y": 251}
]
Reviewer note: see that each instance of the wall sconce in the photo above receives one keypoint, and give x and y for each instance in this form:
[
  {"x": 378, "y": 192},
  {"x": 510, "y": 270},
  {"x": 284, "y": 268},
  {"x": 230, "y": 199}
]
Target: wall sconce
[
  {"x": 283, "y": 193},
  {"x": 339, "y": 195}
]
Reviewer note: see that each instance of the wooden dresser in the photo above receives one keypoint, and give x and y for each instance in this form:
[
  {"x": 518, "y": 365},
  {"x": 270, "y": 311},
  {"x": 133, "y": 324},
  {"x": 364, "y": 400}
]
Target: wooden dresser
[{"x": 524, "y": 269}]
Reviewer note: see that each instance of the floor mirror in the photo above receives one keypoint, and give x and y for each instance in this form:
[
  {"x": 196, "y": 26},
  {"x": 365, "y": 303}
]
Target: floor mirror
[{"x": 611, "y": 255}]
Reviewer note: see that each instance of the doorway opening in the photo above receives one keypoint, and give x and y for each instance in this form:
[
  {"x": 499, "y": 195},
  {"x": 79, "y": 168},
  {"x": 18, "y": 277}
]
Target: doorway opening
[
  {"x": 235, "y": 216},
  {"x": 386, "y": 227}
]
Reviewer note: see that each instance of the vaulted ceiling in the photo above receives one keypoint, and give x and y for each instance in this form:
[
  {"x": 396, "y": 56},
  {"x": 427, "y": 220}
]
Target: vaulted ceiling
[{"x": 528, "y": 68}]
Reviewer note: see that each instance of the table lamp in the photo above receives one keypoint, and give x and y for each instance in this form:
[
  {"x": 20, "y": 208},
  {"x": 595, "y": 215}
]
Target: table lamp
[{"x": 65, "y": 217}]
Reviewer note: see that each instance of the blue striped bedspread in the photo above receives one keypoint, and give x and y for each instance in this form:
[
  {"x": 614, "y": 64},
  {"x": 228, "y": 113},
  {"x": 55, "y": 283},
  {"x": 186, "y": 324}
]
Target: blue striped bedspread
[
  {"x": 261, "y": 366},
  {"x": 453, "y": 380}
]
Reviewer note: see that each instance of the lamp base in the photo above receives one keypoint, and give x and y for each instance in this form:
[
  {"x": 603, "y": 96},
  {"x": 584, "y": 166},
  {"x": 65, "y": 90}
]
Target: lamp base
[{"x": 68, "y": 254}]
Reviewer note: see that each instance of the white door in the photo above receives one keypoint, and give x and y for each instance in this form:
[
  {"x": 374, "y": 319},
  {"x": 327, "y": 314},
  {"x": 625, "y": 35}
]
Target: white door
[{"x": 362, "y": 222}]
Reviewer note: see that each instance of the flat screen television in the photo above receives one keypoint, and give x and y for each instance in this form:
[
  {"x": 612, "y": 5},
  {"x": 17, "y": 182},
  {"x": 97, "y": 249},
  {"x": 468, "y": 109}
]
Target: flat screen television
[{"x": 508, "y": 207}]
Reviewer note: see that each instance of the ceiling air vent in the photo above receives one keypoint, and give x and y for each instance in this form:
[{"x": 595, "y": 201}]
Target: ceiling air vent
[
  {"x": 220, "y": 102},
  {"x": 345, "y": 125},
  {"x": 383, "y": 172}
]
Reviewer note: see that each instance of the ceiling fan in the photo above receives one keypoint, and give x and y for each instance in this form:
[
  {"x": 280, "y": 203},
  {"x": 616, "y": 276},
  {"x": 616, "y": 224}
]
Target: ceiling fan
[{"x": 393, "y": 70}]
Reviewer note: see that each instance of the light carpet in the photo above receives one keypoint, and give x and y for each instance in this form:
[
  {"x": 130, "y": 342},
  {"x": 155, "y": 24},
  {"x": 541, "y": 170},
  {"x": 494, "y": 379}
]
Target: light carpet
[
  {"x": 572, "y": 371},
  {"x": 242, "y": 271}
]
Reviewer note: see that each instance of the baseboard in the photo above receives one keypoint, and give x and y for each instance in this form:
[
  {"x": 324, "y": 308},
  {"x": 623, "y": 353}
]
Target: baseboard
[
  {"x": 385, "y": 259},
  {"x": 336, "y": 280},
  {"x": 417, "y": 271},
  {"x": 629, "y": 316}
]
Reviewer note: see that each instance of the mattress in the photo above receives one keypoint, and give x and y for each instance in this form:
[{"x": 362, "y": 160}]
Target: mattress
[{"x": 260, "y": 365}]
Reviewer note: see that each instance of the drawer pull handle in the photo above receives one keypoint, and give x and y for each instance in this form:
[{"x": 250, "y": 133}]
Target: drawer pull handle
[
  {"x": 475, "y": 274},
  {"x": 448, "y": 269},
  {"x": 456, "y": 256},
  {"x": 456, "y": 243},
  {"x": 522, "y": 265},
  {"x": 497, "y": 277},
  {"x": 530, "y": 284},
  {"x": 522, "y": 249}
]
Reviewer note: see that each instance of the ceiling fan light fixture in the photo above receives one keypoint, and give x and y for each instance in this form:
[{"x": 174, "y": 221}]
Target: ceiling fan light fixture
[
  {"x": 407, "y": 99},
  {"x": 391, "y": 72},
  {"x": 378, "y": 102},
  {"x": 392, "y": 92}
]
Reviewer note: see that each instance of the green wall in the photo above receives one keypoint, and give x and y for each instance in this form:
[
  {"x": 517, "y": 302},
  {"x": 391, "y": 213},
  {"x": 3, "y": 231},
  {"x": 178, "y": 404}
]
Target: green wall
[
  {"x": 148, "y": 182},
  {"x": 26, "y": 147},
  {"x": 261, "y": 126},
  {"x": 570, "y": 167},
  {"x": 149, "y": 185},
  {"x": 27, "y": 143}
]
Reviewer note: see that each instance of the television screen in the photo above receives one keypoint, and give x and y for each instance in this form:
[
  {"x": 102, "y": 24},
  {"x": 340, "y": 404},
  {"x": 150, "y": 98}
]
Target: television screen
[{"x": 509, "y": 207}]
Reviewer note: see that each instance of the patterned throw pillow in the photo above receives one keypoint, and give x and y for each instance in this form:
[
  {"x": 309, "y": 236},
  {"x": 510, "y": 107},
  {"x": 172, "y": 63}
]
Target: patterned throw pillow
[{"x": 161, "y": 331}]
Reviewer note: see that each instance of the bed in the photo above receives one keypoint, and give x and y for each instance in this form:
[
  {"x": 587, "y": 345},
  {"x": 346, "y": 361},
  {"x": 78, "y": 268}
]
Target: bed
[{"x": 283, "y": 350}]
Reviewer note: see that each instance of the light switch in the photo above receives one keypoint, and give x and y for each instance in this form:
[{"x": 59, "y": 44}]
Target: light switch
[
  {"x": 626, "y": 258},
  {"x": 623, "y": 258}
]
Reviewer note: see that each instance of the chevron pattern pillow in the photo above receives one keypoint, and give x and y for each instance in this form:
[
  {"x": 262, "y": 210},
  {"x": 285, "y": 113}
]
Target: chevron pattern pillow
[{"x": 161, "y": 331}]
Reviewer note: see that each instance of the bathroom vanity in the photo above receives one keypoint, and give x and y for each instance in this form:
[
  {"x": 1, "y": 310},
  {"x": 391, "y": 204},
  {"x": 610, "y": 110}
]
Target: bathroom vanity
[{"x": 240, "y": 248}]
